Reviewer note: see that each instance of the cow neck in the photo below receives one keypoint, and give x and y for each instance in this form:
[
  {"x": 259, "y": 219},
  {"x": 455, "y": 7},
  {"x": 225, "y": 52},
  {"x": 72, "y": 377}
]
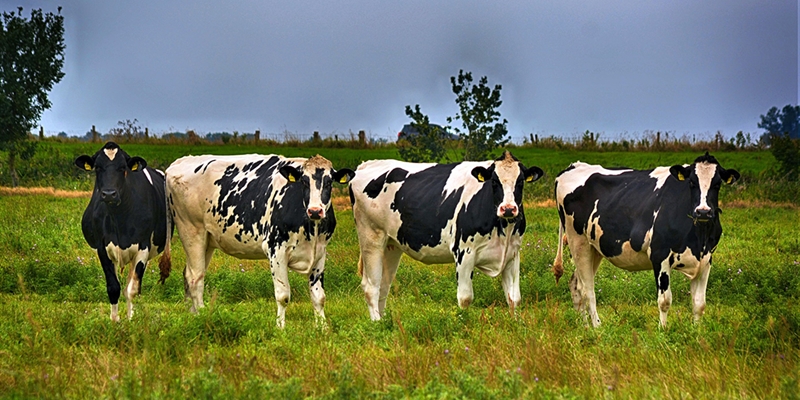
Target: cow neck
[{"x": 509, "y": 230}]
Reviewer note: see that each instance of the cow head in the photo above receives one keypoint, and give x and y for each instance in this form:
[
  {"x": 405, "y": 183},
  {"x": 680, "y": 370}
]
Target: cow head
[
  {"x": 111, "y": 165},
  {"x": 704, "y": 179},
  {"x": 507, "y": 175},
  {"x": 316, "y": 175}
]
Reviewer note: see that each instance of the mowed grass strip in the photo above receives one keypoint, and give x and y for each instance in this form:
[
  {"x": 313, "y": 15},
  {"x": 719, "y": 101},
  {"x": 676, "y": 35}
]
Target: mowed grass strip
[{"x": 56, "y": 339}]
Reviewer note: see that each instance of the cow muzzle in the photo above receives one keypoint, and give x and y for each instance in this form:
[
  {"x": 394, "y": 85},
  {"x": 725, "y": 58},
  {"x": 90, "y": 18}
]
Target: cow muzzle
[
  {"x": 508, "y": 211},
  {"x": 703, "y": 215},
  {"x": 315, "y": 213},
  {"x": 110, "y": 196}
]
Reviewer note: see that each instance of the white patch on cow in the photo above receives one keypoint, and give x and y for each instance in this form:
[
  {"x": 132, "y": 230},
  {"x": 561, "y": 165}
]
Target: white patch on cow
[
  {"x": 147, "y": 174},
  {"x": 577, "y": 176},
  {"x": 461, "y": 177},
  {"x": 111, "y": 153},
  {"x": 660, "y": 174},
  {"x": 705, "y": 173}
]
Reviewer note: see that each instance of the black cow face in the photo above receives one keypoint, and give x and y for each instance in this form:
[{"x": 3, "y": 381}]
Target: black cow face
[
  {"x": 111, "y": 165},
  {"x": 507, "y": 176},
  {"x": 704, "y": 179},
  {"x": 316, "y": 176}
]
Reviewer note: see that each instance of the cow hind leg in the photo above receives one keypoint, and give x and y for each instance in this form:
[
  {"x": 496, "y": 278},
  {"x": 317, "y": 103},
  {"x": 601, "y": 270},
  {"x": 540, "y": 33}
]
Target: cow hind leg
[
  {"x": 198, "y": 257},
  {"x": 587, "y": 260},
  {"x": 391, "y": 260},
  {"x": 662, "y": 274},
  {"x": 371, "y": 279}
]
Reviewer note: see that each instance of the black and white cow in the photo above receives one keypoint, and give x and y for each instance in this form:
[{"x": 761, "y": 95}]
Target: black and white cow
[
  {"x": 255, "y": 207},
  {"x": 661, "y": 219},
  {"x": 469, "y": 213},
  {"x": 126, "y": 219}
]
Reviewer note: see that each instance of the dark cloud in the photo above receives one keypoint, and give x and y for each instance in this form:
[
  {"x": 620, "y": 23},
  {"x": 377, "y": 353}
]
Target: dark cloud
[{"x": 565, "y": 66}]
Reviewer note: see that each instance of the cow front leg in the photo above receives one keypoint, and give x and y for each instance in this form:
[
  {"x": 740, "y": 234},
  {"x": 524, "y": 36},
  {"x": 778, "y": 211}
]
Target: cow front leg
[
  {"x": 698, "y": 287},
  {"x": 464, "y": 274},
  {"x": 316, "y": 287},
  {"x": 586, "y": 259},
  {"x": 511, "y": 283},
  {"x": 135, "y": 277},
  {"x": 279, "y": 265},
  {"x": 112, "y": 283},
  {"x": 664, "y": 291}
]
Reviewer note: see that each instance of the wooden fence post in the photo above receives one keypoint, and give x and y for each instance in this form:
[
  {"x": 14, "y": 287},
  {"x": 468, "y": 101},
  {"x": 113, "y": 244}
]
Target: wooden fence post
[
  {"x": 362, "y": 139},
  {"x": 41, "y": 133},
  {"x": 94, "y": 134},
  {"x": 146, "y": 133},
  {"x": 257, "y": 136}
]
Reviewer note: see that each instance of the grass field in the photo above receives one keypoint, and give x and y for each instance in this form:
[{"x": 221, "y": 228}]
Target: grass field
[{"x": 56, "y": 339}]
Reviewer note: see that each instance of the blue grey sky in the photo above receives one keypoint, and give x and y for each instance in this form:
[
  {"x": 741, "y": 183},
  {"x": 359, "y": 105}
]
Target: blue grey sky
[{"x": 618, "y": 67}]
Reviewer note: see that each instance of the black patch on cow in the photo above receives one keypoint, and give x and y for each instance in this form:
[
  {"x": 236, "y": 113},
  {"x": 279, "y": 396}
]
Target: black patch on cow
[
  {"x": 245, "y": 207},
  {"x": 423, "y": 207},
  {"x": 375, "y": 186},
  {"x": 680, "y": 265},
  {"x": 663, "y": 282},
  {"x": 352, "y": 197},
  {"x": 479, "y": 217},
  {"x": 313, "y": 278},
  {"x": 140, "y": 274},
  {"x": 396, "y": 175}
]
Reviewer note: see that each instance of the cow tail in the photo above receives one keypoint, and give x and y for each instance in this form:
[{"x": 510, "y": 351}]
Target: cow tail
[
  {"x": 165, "y": 263},
  {"x": 558, "y": 263}
]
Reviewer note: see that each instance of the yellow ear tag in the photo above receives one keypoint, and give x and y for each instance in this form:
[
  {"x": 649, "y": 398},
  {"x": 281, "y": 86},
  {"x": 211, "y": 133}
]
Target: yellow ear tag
[
  {"x": 529, "y": 179},
  {"x": 87, "y": 167},
  {"x": 135, "y": 167},
  {"x": 730, "y": 179},
  {"x": 343, "y": 179},
  {"x": 680, "y": 176},
  {"x": 291, "y": 178},
  {"x": 480, "y": 178}
]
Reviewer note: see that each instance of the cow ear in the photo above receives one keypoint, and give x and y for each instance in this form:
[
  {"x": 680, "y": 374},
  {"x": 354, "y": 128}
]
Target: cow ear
[
  {"x": 137, "y": 163},
  {"x": 533, "y": 173},
  {"x": 343, "y": 175},
  {"x": 291, "y": 174},
  {"x": 679, "y": 172},
  {"x": 729, "y": 175},
  {"x": 481, "y": 174},
  {"x": 84, "y": 162}
]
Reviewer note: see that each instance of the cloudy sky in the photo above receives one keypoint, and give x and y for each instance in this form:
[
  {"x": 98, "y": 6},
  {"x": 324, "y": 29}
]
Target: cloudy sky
[{"x": 619, "y": 67}]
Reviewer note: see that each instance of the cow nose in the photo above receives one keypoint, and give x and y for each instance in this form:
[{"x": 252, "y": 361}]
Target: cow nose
[
  {"x": 508, "y": 211},
  {"x": 316, "y": 213},
  {"x": 109, "y": 195},
  {"x": 704, "y": 214}
]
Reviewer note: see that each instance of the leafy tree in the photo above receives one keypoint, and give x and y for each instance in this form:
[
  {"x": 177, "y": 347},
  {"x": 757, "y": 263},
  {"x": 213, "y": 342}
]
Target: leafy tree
[
  {"x": 783, "y": 137},
  {"x": 31, "y": 59},
  {"x": 782, "y": 121},
  {"x": 428, "y": 145},
  {"x": 477, "y": 104}
]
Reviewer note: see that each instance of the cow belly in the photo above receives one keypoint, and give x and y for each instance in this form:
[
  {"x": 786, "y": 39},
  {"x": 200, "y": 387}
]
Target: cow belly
[
  {"x": 121, "y": 257},
  {"x": 430, "y": 255},
  {"x": 246, "y": 249},
  {"x": 630, "y": 259}
]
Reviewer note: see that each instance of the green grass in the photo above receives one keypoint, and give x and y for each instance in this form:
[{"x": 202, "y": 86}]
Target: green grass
[{"x": 56, "y": 339}]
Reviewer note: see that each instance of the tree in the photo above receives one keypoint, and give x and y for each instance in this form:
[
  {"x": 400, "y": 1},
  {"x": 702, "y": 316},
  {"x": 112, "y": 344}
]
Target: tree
[
  {"x": 31, "y": 59},
  {"x": 783, "y": 121},
  {"x": 428, "y": 145},
  {"x": 477, "y": 104},
  {"x": 783, "y": 137}
]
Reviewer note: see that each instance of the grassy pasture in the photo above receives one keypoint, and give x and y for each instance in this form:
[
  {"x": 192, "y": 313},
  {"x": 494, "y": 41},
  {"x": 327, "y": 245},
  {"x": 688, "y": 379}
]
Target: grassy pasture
[{"x": 56, "y": 339}]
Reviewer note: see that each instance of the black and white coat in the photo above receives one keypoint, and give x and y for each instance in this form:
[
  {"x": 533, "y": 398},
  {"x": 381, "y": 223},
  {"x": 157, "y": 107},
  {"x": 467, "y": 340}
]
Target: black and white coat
[
  {"x": 469, "y": 213},
  {"x": 662, "y": 220},
  {"x": 255, "y": 207},
  {"x": 126, "y": 219}
]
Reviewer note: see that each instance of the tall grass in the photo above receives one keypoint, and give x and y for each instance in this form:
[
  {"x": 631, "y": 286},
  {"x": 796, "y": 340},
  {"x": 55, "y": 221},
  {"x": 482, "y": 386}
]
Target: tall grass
[{"x": 56, "y": 340}]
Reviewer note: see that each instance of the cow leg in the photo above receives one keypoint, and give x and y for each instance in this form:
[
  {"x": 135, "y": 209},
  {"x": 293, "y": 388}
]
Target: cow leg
[
  {"x": 135, "y": 277},
  {"x": 279, "y": 264},
  {"x": 511, "y": 283},
  {"x": 316, "y": 286},
  {"x": 198, "y": 257},
  {"x": 391, "y": 260},
  {"x": 464, "y": 274},
  {"x": 112, "y": 283},
  {"x": 664, "y": 291},
  {"x": 587, "y": 260},
  {"x": 698, "y": 287}
]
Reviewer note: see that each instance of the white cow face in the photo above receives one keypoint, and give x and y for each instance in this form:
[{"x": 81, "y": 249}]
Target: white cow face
[
  {"x": 507, "y": 176},
  {"x": 316, "y": 176},
  {"x": 111, "y": 165},
  {"x": 704, "y": 179}
]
